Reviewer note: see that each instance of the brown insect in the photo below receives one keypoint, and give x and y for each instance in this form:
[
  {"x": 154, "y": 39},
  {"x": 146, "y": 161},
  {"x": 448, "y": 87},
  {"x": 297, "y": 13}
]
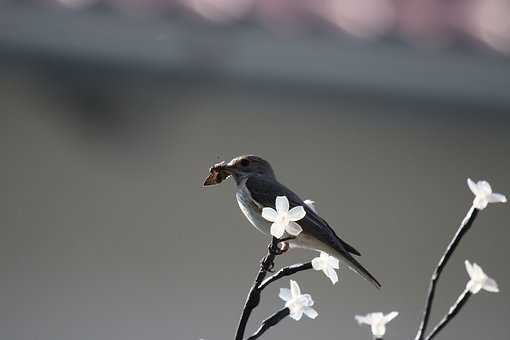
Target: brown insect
[{"x": 216, "y": 174}]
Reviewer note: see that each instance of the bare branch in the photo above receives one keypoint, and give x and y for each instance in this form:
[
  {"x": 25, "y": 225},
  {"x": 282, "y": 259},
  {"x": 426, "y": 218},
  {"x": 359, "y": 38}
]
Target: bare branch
[
  {"x": 270, "y": 322},
  {"x": 253, "y": 297},
  {"x": 286, "y": 271},
  {"x": 466, "y": 294},
  {"x": 450, "y": 249}
]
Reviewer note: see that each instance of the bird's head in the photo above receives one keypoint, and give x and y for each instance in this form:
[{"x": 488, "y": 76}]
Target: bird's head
[{"x": 239, "y": 168}]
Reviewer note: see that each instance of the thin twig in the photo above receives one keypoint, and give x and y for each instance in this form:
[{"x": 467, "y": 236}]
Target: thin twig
[
  {"x": 464, "y": 227},
  {"x": 270, "y": 322},
  {"x": 286, "y": 271},
  {"x": 466, "y": 294},
  {"x": 253, "y": 298}
]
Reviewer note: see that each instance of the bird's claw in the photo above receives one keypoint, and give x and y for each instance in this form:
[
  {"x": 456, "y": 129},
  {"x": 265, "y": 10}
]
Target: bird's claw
[
  {"x": 283, "y": 245},
  {"x": 280, "y": 246}
]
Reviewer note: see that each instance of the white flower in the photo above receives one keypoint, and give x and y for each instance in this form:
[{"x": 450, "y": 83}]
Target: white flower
[
  {"x": 284, "y": 220},
  {"x": 327, "y": 264},
  {"x": 311, "y": 205},
  {"x": 479, "y": 280},
  {"x": 377, "y": 321},
  {"x": 483, "y": 194},
  {"x": 297, "y": 303}
]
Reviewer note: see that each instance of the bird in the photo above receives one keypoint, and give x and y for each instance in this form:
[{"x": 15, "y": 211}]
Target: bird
[{"x": 257, "y": 187}]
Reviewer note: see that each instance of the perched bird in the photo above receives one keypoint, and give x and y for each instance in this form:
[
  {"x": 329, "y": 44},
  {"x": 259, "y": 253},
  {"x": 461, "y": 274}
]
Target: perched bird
[{"x": 257, "y": 188}]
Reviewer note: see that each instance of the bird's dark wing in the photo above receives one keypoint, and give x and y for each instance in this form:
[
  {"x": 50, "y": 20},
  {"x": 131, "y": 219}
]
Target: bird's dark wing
[{"x": 264, "y": 192}]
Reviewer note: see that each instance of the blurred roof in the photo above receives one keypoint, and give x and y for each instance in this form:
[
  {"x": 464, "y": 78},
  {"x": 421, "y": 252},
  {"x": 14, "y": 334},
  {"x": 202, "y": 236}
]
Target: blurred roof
[
  {"x": 435, "y": 22},
  {"x": 277, "y": 47}
]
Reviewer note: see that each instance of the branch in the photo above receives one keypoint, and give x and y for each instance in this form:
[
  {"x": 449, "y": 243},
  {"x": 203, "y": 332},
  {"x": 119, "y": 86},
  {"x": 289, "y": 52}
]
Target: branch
[
  {"x": 253, "y": 298},
  {"x": 286, "y": 271},
  {"x": 450, "y": 249},
  {"x": 270, "y": 322},
  {"x": 466, "y": 294}
]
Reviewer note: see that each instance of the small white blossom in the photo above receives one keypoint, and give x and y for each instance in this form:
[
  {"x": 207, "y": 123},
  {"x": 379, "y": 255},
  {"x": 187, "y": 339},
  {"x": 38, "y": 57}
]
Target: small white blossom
[
  {"x": 479, "y": 280},
  {"x": 284, "y": 220},
  {"x": 327, "y": 264},
  {"x": 377, "y": 322},
  {"x": 297, "y": 303},
  {"x": 311, "y": 205},
  {"x": 483, "y": 194}
]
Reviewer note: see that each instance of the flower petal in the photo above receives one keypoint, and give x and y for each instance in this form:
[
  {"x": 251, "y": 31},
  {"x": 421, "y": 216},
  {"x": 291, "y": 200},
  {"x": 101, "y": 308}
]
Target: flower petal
[
  {"x": 269, "y": 214},
  {"x": 282, "y": 204},
  {"x": 473, "y": 187},
  {"x": 361, "y": 319},
  {"x": 297, "y": 314},
  {"x": 294, "y": 289},
  {"x": 310, "y": 312},
  {"x": 307, "y": 300},
  {"x": 378, "y": 329},
  {"x": 469, "y": 268},
  {"x": 317, "y": 263},
  {"x": 491, "y": 285},
  {"x": 496, "y": 198},
  {"x": 478, "y": 273},
  {"x": 285, "y": 294},
  {"x": 297, "y": 213},
  {"x": 377, "y": 317},
  {"x": 331, "y": 273},
  {"x": 484, "y": 187},
  {"x": 473, "y": 286},
  {"x": 480, "y": 202},
  {"x": 293, "y": 228},
  {"x": 277, "y": 230},
  {"x": 390, "y": 316},
  {"x": 333, "y": 262}
]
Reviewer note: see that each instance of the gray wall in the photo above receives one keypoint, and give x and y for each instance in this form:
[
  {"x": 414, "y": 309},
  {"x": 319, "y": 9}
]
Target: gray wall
[{"x": 108, "y": 234}]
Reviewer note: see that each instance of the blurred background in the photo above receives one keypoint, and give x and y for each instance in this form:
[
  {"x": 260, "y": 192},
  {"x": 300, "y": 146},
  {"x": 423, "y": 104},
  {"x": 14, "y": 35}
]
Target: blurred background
[{"x": 114, "y": 110}]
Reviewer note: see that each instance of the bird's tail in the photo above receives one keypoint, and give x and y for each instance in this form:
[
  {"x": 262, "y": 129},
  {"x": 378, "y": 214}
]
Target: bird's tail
[
  {"x": 355, "y": 266},
  {"x": 337, "y": 250}
]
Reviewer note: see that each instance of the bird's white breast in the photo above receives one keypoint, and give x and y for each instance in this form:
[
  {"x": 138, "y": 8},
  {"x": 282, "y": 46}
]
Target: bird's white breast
[{"x": 251, "y": 209}]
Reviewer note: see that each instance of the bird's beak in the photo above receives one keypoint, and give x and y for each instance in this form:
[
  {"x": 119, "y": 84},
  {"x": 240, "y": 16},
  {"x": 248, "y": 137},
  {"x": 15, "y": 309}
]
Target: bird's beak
[
  {"x": 210, "y": 180},
  {"x": 218, "y": 173}
]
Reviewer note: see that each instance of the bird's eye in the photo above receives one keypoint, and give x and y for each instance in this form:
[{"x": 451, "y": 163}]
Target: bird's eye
[{"x": 245, "y": 162}]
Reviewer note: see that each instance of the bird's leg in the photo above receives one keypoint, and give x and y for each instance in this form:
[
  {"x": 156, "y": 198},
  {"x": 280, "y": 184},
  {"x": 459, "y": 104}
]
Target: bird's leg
[
  {"x": 283, "y": 245},
  {"x": 275, "y": 248}
]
